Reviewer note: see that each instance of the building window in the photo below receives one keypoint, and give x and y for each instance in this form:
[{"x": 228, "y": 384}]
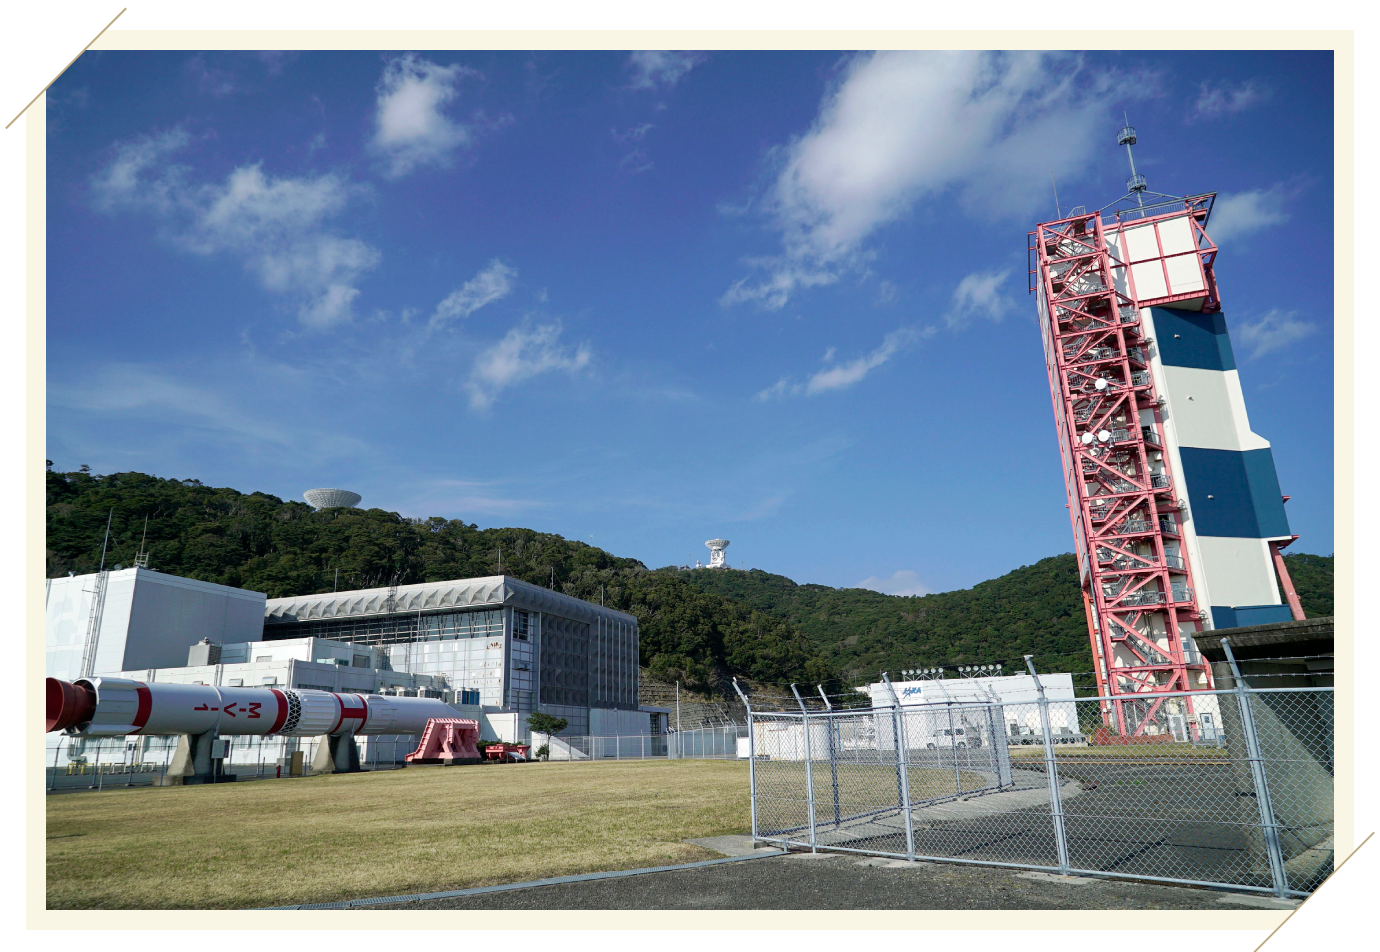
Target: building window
[{"x": 522, "y": 625}]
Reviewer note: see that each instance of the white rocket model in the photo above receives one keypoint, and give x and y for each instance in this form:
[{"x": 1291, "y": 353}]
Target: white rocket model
[{"x": 110, "y": 707}]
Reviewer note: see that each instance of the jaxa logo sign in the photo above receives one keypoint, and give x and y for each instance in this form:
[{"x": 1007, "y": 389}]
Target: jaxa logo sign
[{"x": 908, "y": 692}]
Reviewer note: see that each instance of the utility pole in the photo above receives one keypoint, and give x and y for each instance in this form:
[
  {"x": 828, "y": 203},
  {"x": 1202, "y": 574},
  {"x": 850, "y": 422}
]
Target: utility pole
[
  {"x": 677, "y": 707},
  {"x": 335, "y": 586}
]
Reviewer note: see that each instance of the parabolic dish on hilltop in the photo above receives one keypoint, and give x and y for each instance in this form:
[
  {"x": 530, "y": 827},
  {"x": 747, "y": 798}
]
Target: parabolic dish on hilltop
[{"x": 331, "y": 498}]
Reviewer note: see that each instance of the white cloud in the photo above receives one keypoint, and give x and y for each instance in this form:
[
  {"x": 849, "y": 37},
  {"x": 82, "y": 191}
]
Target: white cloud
[
  {"x": 525, "y": 351},
  {"x": 277, "y": 226},
  {"x": 120, "y": 182},
  {"x": 411, "y": 129},
  {"x": 782, "y": 388},
  {"x": 636, "y": 160},
  {"x": 903, "y": 582},
  {"x": 1244, "y": 212},
  {"x": 903, "y": 126},
  {"x": 466, "y": 498},
  {"x": 1274, "y": 331},
  {"x": 653, "y": 68},
  {"x": 979, "y": 295},
  {"x": 1216, "y": 100},
  {"x": 842, "y": 376},
  {"x": 492, "y": 284}
]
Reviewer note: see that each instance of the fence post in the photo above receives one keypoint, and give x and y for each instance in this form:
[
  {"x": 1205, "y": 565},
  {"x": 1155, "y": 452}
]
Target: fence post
[
  {"x": 953, "y": 746},
  {"x": 752, "y": 761},
  {"x": 902, "y": 767},
  {"x": 1262, "y": 790},
  {"x": 831, "y": 725},
  {"x": 809, "y": 767},
  {"x": 1056, "y": 806},
  {"x": 100, "y": 781}
]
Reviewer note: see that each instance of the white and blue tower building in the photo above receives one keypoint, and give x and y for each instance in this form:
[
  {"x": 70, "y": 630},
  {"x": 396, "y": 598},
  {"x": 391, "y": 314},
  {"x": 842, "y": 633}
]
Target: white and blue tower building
[{"x": 1176, "y": 509}]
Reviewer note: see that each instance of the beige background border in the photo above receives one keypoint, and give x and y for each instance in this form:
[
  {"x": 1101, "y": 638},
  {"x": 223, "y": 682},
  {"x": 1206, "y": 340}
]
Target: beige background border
[{"x": 22, "y": 251}]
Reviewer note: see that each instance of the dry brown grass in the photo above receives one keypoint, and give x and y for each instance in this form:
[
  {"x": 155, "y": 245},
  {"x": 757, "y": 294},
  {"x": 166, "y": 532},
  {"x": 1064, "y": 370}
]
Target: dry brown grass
[{"x": 319, "y": 839}]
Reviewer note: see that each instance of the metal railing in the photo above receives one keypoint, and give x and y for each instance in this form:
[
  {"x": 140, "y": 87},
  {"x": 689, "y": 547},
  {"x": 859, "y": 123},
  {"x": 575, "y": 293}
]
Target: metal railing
[{"x": 1219, "y": 788}]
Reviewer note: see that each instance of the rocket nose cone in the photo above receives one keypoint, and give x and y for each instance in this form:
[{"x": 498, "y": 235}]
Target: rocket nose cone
[{"x": 69, "y": 704}]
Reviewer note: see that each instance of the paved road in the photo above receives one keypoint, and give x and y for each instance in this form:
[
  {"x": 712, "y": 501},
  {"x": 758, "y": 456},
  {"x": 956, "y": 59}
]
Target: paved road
[{"x": 839, "y": 881}]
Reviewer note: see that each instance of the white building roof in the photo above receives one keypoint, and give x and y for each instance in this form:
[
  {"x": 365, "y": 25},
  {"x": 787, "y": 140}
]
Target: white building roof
[{"x": 492, "y": 591}]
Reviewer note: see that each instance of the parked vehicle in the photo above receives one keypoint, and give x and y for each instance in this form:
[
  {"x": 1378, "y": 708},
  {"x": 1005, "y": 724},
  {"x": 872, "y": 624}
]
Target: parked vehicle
[{"x": 956, "y": 738}]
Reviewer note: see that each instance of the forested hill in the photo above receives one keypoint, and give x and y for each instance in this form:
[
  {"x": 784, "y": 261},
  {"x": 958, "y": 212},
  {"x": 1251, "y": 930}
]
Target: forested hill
[
  {"x": 1312, "y": 576},
  {"x": 265, "y": 544},
  {"x": 698, "y": 627},
  {"x": 1036, "y": 609}
]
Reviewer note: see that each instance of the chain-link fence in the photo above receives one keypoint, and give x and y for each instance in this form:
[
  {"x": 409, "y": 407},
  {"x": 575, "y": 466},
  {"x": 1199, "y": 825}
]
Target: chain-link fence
[
  {"x": 116, "y": 762},
  {"x": 1225, "y": 787},
  {"x": 101, "y": 763},
  {"x": 713, "y": 743}
]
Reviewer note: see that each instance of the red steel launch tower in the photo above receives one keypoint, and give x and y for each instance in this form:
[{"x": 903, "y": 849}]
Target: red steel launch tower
[{"x": 1123, "y": 497}]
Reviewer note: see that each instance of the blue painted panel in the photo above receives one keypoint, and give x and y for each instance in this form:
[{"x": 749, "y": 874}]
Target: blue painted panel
[
  {"x": 1244, "y": 489},
  {"x": 1244, "y": 615},
  {"x": 1192, "y": 339}
]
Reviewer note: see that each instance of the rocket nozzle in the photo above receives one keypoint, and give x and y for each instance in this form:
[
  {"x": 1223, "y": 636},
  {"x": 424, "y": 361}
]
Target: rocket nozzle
[{"x": 69, "y": 704}]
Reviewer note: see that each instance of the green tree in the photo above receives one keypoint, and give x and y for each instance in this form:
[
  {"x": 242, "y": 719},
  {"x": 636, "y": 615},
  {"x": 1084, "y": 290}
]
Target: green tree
[{"x": 546, "y": 723}]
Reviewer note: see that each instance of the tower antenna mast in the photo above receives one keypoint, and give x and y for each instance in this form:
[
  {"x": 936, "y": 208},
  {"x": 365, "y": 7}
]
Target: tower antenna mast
[
  {"x": 1136, "y": 183},
  {"x": 106, "y": 540},
  {"x": 141, "y": 561}
]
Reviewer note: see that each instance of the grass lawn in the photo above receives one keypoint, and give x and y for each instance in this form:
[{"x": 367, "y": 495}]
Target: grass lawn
[{"x": 422, "y": 829}]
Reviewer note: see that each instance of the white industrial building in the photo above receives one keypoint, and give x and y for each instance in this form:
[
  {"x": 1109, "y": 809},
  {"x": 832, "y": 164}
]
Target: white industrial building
[
  {"x": 139, "y": 618},
  {"x": 1017, "y": 694},
  {"x": 496, "y": 649},
  {"x": 523, "y": 647}
]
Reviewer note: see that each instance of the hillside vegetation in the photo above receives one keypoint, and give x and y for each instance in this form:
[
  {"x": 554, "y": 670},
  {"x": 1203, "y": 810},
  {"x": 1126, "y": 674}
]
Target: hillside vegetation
[
  {"x": 265, "y": 544},
  {"x": 1036, "y": 609},
  {"x": 1312, "y": 575},
  {"x": 698, "y": 627}
]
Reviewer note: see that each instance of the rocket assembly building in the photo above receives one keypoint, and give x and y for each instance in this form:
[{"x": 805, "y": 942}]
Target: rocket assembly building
[{"x": 1177, "y": 514}]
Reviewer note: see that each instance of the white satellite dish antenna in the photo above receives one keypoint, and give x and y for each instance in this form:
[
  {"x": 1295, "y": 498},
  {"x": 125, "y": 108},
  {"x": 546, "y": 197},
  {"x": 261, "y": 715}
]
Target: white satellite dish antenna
[
  {"x": 1086, "y": 438},
  {"x": 1101, "y": 384},
  {"x": 716, "y": 553},
  {"x": 331, "y": 498},
  {"x": 1104, "y": 435}
]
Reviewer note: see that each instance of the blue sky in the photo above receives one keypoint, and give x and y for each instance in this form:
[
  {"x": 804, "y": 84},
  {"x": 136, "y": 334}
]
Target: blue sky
[{"x": 648, "y": 299}]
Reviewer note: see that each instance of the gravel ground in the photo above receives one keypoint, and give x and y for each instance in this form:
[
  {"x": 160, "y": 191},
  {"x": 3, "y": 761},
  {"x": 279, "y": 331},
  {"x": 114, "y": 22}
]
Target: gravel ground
[{"x": 839, "y": 881}]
